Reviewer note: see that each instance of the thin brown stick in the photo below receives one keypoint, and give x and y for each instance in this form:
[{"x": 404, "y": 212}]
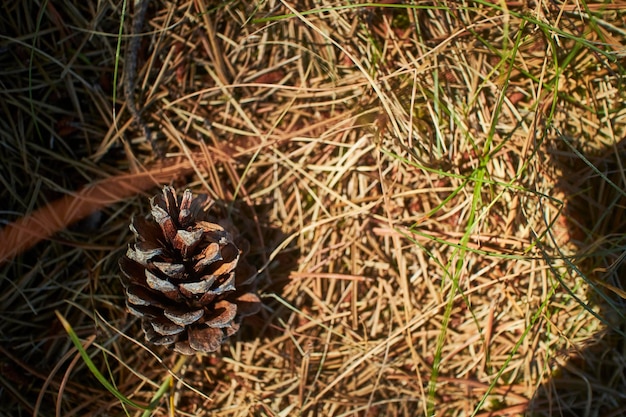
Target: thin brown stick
[
  {"x": 130, "y": 71},
  {"x": 43, "y": 223}
]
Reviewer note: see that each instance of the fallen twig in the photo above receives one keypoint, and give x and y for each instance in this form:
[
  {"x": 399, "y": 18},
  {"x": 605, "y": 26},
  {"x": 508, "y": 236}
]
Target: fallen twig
[{"x": 43, "y": 223}]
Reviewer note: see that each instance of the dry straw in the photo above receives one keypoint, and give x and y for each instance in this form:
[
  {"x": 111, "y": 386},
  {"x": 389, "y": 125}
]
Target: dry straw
[{"x": 432, "y": 193}]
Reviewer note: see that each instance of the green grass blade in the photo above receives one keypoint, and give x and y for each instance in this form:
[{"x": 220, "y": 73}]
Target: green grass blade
[{"x": 92, "y": 367}]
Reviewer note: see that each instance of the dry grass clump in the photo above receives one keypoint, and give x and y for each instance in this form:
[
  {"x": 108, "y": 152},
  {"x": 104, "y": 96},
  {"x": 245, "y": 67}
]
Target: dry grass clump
[{"x": 431, "y": 192}]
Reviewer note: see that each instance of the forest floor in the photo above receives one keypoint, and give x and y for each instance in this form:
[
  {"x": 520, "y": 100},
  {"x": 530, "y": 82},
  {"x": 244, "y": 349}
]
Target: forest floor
[{"x": 433, "y": 193}]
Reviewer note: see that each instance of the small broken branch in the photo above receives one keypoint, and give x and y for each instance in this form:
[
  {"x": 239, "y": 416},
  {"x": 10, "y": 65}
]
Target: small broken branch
[{"x": 44, "y": 222}]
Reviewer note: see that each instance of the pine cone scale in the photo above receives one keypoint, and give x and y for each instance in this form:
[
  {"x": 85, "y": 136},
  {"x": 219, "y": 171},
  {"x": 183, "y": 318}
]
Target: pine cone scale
[
  {"x": 162, "y": 285},
  {"x": 173, "y": 271},
  {"x": 142, "y": 255},
  {"x": 149, "y": 230},
  {"x": 183, "y": 317},
  {"x": 224, "y": 313},
  {"x": 165, "y": 221},
  {"x": 140, "y": 310},
  {"x": 205, "y": 339},
  {"x": 165, "y": 327}
]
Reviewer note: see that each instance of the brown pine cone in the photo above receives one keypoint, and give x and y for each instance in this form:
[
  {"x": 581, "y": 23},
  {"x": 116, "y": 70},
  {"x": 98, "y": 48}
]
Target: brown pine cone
[{"x": 185, "y": 276}]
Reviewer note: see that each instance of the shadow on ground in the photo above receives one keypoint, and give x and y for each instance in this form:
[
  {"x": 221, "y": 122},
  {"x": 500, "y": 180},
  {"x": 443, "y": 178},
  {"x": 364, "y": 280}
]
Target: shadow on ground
[{"x": 591, "y": 381}]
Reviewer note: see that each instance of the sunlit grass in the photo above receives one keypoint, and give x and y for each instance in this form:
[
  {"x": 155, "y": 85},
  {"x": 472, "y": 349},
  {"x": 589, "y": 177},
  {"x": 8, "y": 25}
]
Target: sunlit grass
[{"x": 433, "y": 195}]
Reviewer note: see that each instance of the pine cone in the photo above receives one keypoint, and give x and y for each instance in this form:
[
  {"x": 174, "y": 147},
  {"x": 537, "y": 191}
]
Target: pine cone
[{"x": 185, "y": 276}]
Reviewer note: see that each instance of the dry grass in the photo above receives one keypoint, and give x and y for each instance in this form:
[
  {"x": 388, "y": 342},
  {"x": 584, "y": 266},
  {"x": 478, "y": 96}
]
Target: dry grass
[{"x": 434, "y": 195}]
